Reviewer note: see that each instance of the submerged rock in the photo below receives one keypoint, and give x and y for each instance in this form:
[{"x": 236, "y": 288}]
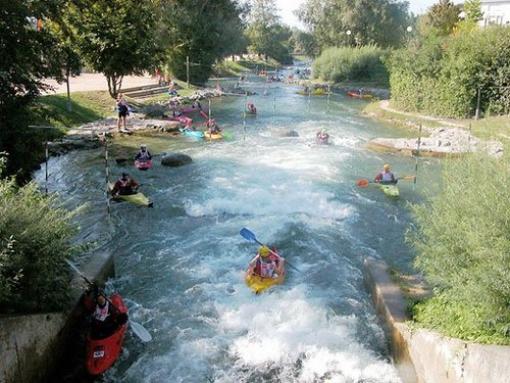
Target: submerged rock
[
  {"x": 284, "y": 133},
  {"x": 176, "y": 159}
]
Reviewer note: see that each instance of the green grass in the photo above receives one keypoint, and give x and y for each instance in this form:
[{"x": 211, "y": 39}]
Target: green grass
[
  {"x": 86, "y": 107},
  {"x": 497, "y": 128},
  {"x": 229, "y": 68},
  {"x": 397, "y": 119},
  {"x": 459, "y": 320}
]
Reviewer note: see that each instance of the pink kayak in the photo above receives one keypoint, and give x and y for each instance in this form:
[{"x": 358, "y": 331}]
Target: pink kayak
[
  {"x": 185, "y": 120},
  {"x": 143, "y": 165}
]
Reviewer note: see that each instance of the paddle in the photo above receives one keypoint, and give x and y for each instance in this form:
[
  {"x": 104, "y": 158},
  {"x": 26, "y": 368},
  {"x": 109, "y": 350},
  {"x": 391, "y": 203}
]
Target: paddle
[
  {"x": 250, "y": 236},
  {"x": 363, "y": 183},
  {"x": 137, "y": 328}
]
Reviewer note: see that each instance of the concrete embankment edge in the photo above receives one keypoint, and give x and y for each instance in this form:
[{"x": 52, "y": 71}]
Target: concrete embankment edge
[
  {"x": 31, "y": 346},
  {"x": 423, "y": 356}
]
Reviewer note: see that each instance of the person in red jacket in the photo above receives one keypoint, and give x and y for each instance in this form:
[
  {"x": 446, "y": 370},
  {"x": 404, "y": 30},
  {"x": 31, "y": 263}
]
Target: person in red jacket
[{"x": 125, "y": 185}]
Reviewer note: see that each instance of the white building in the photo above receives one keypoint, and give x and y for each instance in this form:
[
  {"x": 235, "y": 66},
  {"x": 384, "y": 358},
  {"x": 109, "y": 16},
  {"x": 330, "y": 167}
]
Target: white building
[{"x": 495, "y": 12}]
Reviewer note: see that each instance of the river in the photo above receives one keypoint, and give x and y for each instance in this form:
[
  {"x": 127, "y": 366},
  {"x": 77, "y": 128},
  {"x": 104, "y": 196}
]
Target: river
[{"x": 180, "y": 265}]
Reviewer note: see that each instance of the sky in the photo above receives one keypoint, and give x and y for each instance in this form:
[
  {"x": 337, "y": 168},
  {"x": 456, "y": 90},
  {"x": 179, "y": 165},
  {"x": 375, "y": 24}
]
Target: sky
[{"x": 288, "y": 6}]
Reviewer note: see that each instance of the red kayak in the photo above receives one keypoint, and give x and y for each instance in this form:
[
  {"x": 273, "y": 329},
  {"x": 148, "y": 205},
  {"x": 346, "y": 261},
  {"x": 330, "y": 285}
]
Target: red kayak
[
  {"x": 143, "y": 165},
  {"x": 357, "y": 95},
  {"x": 185, "y": 120},
  {"x": 102, "y": 353}
]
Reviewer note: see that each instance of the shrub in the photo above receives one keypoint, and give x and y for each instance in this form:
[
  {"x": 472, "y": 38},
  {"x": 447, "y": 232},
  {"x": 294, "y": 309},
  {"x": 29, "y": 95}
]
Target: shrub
[
  {"x": 462, "y": 238},
  {"x": 35, "y": 239},
  {"x": 441, "y": 75},
  {"x": 351, "y": 64}
]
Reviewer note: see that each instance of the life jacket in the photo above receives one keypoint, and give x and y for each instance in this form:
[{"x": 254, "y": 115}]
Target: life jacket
[
  {"x": 267, "y": 269},
  {"x": 101, "y": 313},
  {"x": 144, "y": 156},
  {"x": 387, "y": 177}
]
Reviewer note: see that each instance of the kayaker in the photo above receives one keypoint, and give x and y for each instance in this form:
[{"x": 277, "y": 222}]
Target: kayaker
[
  {"x": 212, "y": 126},
  {"x": 125, "y": 185},
  {"x": 143, "y": 155},
  {"x": 105, "y": 318},
  {"x": 322, "y": 136},
  {"x": 386, "y": 176},
  {"x": 252, "y": 108},
  {"x": 266, "y": 263}
]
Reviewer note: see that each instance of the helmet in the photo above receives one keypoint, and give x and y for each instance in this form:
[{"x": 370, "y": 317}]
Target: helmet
[
  {"x": 125, "y": 175},
  {"x": 386, "y": 167},
  {"x": 264, "y": 251},
  {"x": 143, "y": 146}
]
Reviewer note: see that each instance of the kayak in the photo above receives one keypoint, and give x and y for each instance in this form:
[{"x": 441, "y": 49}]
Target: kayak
[
  {"x": 390, "y": 190},
  {"x": 213, "y": 136},
  {"x": 322, "y": 141},
  {"x": 259, "y": 284},
  {"x": 138, "y": 198},
  {"x": 361, "y": 96},
  {"x": 143, "y": 165},
  {"x": 192, "y": 133},
  {"x": 185, "y": 120},
  {"x": 102, "y": 353}
]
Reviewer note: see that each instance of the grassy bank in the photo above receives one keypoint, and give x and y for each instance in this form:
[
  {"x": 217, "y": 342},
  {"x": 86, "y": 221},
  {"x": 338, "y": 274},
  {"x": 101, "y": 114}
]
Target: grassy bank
[
  {"x": 86, "y": 107},
  {"x": 229, "y": 68}
]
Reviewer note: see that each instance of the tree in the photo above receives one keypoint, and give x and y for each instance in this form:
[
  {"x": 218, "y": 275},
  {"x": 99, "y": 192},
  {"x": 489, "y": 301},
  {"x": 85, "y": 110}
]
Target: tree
[
  {"x": 29, "y": 54},
  {"x": 205, "y": 31},
  {"x": 303, "y": 43},
  {"x": 116, "y": 37},
  {"x": 381, "y": 22},
  {"x": 266, "y": 35},
  {"x": 473, "y": 10},
  {"x": 441, "y": 18}
]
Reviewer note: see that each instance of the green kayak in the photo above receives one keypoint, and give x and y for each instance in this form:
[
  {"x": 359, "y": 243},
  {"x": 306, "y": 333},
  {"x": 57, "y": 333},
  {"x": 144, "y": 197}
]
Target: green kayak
[
  {"x": 138, "y": 199},
  {"x": 390, "y": 190}
]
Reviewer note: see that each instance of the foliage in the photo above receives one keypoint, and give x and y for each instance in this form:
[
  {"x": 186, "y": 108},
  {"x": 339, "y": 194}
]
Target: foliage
[
  {"x": 266, "y": 35},
  {"x": 115, "y": 37},
  {"x": 351, "y": 64},
  {"x": 35, "y": 239},
  {"x": 303, "y": 43},
  {"x": 204, "y": 31},
  {"x": 29, "y": 55},
  {"x": 382, "y": 22},
  {"x": 441, "y": 18},
  {"x": 441, "y": 75},
  {"x": 463, "y": 246}
]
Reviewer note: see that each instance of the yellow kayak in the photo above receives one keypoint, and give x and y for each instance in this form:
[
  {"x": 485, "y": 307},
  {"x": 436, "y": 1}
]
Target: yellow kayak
[
  {"x": 213, "y": 136},
  {"x": 138, "y": 199},
  {"x": 259, "y": 284}
]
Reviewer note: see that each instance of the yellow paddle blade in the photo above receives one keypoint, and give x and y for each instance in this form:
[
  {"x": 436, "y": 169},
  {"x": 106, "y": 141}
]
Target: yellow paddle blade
[{"x": 407, "y": 178}]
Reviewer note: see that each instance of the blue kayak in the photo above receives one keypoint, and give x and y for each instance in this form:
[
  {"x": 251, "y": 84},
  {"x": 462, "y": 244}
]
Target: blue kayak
[{"x": 192, "y": 133}]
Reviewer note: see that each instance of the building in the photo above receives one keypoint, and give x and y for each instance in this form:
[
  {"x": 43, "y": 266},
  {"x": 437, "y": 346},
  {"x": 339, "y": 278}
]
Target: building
[{"x": 495, "y": 12}]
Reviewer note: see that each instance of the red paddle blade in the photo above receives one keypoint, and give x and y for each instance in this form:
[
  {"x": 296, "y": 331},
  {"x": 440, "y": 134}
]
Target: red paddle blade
[{"x": 362, "y": 183}]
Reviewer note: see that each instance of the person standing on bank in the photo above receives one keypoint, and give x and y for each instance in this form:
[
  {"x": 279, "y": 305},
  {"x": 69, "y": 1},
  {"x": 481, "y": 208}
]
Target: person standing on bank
[{"x": 123, "y": 110}]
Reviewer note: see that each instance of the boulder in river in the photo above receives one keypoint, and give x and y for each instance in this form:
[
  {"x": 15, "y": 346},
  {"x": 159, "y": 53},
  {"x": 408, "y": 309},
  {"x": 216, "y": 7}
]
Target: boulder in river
[
  {"x": 284, "y": 133},
  {"x": 176, "y": 159}
]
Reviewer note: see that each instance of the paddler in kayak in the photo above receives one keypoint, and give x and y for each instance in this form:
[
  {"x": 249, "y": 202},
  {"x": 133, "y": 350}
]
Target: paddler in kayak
[
  {"x": 266, "y": 264},
  {"x": 105, "y": 318},
  {"x": 125, "y": 185},
  {"x": 386, "y": 176},
  {"x": 212, "y": 126},
  {"x": 251, "y": 108},
  {"x": 322, "y": 137},
  {"x": 143, "y": 155}
]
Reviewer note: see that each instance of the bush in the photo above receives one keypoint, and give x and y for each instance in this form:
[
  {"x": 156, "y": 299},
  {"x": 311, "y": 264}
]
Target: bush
[
  {"x": 462, "y": 240},
  {"x": 35, "y": 240},
  {"x": 441, "y": 75},
  {"x": 351, "y": 64}
]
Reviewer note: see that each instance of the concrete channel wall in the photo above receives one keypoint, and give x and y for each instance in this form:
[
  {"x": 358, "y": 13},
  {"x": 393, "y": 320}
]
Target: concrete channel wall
[
  {"x": 423, "y": 356},
  {"x": 31, "y": 346}
]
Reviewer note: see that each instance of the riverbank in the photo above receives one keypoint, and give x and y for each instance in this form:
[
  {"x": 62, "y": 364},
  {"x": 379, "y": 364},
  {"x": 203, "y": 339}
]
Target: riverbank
[{"x": 439, "y": 137}]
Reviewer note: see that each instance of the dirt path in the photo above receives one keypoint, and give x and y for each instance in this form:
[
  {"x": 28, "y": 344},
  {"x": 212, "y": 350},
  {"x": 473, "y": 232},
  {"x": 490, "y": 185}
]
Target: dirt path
[
  {"x": 385, "y": 105},
  {"x": 97, "y": 81}
]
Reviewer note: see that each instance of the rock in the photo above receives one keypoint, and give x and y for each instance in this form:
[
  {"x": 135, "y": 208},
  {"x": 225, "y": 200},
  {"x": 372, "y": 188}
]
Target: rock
[
  {"x": 176, "y": 159},
  {"x": 284, "y": 133}
]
